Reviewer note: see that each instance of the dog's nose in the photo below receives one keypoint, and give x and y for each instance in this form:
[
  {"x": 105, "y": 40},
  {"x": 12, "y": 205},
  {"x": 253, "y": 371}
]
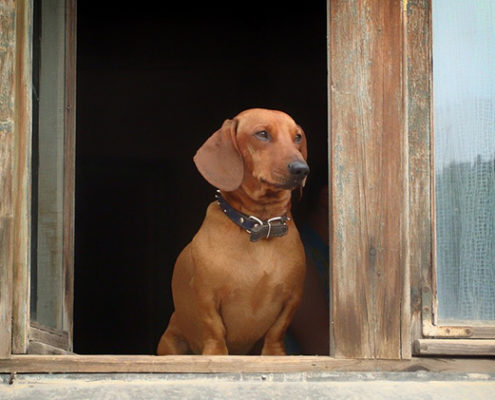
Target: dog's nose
[{"x": 298, "y": 169}]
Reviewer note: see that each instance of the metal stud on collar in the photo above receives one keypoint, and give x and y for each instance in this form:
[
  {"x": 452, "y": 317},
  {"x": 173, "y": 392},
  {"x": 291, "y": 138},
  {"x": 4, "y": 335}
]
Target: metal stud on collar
[{"x": 256, "y": 227}]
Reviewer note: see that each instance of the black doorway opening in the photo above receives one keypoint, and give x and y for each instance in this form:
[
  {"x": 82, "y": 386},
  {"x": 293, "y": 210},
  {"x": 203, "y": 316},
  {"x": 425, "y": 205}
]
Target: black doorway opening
[{"x": 152, "y": 84}]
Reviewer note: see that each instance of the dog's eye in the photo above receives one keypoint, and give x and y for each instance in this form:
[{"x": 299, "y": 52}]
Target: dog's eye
[
  {"x": 298, "y": 138},
  {"x": 263, "y": 136}
]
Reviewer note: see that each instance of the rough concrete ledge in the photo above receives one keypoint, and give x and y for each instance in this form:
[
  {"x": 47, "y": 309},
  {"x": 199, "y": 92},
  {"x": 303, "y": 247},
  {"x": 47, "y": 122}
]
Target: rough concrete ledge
[{"x": 325, "y": 385}]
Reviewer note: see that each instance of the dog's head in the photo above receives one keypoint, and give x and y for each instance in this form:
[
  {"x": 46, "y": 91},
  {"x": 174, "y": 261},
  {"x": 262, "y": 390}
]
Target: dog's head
[{"x": 260, "y": 146}]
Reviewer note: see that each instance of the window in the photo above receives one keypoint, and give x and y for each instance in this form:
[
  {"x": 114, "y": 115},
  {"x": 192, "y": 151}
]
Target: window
[
  {"x": 464, "y": 90},
  {"x": 461, "y": 302},
  {"x": 43, "y": 252},
  {"x": 53, "y": 180},
  {"x": 383, "y": 281},
  {"x": 152, "y": 86}
]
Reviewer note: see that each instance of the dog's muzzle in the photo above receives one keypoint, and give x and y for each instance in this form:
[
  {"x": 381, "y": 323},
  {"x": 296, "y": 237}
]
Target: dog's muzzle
[{"x": 298, "y": 170}]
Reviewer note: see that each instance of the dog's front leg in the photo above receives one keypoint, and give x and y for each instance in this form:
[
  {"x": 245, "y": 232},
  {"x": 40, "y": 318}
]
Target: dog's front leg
[
  {"x": 274, "y": 337},
  {"x": 213, "y": 329}
]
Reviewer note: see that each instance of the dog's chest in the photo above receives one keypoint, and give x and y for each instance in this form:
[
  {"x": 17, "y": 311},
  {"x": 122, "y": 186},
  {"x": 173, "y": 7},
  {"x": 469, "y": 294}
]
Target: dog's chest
[
  {"x": 265, "y": 264},
  {"x": 262, "y": 280},
  {"x": 251, "y": 302},
  {"x": 257, "y": 279}
]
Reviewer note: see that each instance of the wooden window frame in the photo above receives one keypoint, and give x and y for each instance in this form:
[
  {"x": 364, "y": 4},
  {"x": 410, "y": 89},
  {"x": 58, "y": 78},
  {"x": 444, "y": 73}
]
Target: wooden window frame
[
  {"x": 30, "y": 336},
  {"x": 27, "y": 336},
  {"x": 373, "y": 262},
  {"x": 43, "y": 339},
  {"x": 429, "y": 336}
]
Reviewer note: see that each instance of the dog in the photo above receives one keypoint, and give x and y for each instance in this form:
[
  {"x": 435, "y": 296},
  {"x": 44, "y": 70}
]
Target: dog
[{"x": 240, "y": 280}]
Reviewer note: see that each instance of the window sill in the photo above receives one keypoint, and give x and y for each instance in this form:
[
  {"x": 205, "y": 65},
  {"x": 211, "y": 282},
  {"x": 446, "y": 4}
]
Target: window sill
[{"x": 225, "y": 364}]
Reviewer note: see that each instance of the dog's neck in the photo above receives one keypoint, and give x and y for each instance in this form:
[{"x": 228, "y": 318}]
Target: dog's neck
[{"x": 263, "y": 203}]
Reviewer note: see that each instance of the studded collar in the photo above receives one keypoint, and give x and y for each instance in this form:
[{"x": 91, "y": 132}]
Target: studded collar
[{"x": 256, "y": 227}]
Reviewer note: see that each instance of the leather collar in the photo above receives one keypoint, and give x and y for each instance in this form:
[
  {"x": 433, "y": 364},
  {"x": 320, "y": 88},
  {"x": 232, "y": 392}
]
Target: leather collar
[{"x": 257, "y": 228}]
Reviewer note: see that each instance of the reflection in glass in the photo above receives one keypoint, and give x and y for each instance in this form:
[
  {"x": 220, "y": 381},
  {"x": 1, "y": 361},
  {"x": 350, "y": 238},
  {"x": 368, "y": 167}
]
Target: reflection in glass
[
  {"x": 47, "y": 270},
  {"x": 464, "y": 130}
]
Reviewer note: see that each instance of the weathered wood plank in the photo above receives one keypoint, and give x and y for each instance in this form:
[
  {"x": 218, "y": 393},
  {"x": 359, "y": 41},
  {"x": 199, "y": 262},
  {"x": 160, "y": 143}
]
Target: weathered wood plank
[
  {"x": 7, "y": 160},
  {"x": 218, "y": 364},
  {"x": 49, "y": 336},
  {"x": 36, "y": 347},
  {"x": 69, "y": 167},
  {"x": 6, "y": 228},
  {"x": 454, "y": 347},
  {"x": 418, "y": 37},
  {"x": 22, "y": 189},
  {"x": 367, "y": 177},
  {"x": 483, "y": 332}
]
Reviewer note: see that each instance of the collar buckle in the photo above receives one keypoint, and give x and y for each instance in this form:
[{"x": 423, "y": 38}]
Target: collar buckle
[
  {"x": 256, "y": 227},
  {"x": 273, "y": 227}
]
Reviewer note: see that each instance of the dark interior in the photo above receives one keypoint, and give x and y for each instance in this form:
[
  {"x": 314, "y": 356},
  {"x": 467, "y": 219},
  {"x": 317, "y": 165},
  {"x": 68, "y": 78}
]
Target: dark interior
[{"x": 153, "y": 83}]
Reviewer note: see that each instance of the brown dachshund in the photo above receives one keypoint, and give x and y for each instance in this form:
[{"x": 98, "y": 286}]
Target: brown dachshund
[{"x": 241, "y": 278}]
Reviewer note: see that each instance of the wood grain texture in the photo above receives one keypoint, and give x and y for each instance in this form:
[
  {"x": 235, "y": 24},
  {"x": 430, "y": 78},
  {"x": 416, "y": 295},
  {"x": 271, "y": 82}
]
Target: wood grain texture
[
  {"x": 36, "y": 347},
  {"x": 7, "y": 160},
  {"x": 454, "y": 347},
  {"x": 49, "y": 336},
  {"x": 419, "y": 84},
  {"x": 22, "y": 187},
  {"x": 367, "y": 143},
  {"x": 69, "y": 168},
  {"x": 218, "y": 364}
]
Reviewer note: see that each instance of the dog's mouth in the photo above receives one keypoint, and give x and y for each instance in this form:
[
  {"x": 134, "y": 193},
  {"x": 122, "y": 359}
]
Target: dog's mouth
[{"x": 288, "y": 184}]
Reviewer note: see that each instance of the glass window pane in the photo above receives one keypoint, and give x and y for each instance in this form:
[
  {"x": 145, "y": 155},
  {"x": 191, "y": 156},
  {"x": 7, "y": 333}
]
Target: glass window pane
[
  {"x": 47, "y": 283},
  {"x": 464, "y": 130}
]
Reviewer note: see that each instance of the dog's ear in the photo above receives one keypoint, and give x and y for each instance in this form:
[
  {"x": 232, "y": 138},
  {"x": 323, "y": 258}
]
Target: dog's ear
[{"x": 218, "y": 159}]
